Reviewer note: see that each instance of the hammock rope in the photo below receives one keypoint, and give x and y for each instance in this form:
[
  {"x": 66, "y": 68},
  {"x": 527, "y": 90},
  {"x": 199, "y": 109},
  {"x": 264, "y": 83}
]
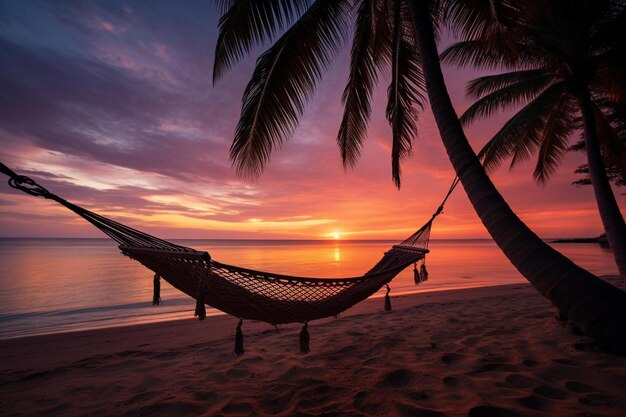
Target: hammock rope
[{"x": 246, "y": 293}]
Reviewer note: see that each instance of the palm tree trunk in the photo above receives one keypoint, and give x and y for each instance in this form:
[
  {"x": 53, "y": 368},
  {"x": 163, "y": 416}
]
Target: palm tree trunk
[
  {"x": 610, "y": 214},
  {"x": 595, "y": 306}
]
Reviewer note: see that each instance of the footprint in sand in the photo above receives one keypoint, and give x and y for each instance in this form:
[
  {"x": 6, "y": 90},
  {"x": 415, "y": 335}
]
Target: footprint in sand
[
  {"x": 451, "y": 382},
  {"x": 535, "y": 402},
  {"x": 520, "y": 381},
  {"x": 551, "y": 392},
  {"x": 530, "y": 363},
  {"x": 575, "y": 386},
  {"x": 205, "y": 396},
  {"x": 494, "y": 367},
  {"x": 397, "y": 378},
  {"x": 451, "y": 358}
]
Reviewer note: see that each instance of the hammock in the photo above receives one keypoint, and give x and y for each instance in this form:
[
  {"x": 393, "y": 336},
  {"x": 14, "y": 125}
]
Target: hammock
[{"x": 246, "y": 293}]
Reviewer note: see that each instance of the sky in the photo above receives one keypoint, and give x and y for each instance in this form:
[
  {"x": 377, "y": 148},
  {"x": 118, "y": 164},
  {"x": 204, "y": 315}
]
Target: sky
[{"x": 110, "y": 105}]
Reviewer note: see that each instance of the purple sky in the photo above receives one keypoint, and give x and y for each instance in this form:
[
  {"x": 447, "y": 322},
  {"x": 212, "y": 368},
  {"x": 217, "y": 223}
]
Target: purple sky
[{"x": 110, "y": 105}]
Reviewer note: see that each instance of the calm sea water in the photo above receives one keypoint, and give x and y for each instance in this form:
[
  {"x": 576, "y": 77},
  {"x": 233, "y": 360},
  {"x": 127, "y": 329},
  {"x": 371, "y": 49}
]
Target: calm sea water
[{"x": 60, "y": 285}]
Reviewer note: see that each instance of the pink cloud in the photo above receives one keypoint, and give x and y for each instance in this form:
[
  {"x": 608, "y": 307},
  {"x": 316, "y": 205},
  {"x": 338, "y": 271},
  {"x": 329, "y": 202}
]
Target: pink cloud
[
  {"x": 104, "y": 25},
  {"x": 171, "y": 186}
]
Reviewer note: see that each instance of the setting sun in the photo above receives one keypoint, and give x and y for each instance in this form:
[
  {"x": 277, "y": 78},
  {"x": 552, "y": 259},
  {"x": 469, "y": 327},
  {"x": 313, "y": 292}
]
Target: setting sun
[{"x": 336, "y": 235}]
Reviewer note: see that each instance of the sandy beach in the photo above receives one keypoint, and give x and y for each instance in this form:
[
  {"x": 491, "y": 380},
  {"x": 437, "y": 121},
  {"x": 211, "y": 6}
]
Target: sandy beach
[{"x": 496, "y": 351}]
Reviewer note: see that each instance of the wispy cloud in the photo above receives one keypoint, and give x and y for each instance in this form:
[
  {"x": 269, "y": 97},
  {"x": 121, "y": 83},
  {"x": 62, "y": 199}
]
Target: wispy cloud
[{"x": 114, "y": 108}]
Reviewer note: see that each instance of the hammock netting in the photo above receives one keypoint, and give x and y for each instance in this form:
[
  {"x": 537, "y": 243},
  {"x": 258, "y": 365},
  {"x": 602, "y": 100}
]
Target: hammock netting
[{"x": 241, "y": 292}]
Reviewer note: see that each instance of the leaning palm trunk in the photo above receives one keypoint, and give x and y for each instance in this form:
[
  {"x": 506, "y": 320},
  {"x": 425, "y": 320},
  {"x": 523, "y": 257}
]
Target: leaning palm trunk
[
  {"x": 610, "y": 214},
  {"x": 595, "y": 306}
]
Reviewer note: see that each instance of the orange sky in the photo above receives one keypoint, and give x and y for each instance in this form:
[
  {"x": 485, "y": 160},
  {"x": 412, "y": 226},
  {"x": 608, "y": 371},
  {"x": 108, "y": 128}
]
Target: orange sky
[{"x": 115, "y": 110}]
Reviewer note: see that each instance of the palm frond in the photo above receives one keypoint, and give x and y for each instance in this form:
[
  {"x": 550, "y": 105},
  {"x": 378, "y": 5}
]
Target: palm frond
[
  {"x": 491, "y": 54},
  {"x": 248, "y": 23},
  {"x": 284, "y": 78},
  {"x": 224, "y": 5},
  {"x": 491, "y": 33},
  {"x": 521, "y": 135},
  {"x": 405, "y": 91},
  {"x": 482, "y": 86},
  {"x": 506, "y": 90},
  {"x": 370, "y": 48},
  {"x": 474, "y": 19},
  {"x": 555, "y": 137}
]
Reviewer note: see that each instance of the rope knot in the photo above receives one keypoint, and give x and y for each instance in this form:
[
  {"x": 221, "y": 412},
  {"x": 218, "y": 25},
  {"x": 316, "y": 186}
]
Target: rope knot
[{"x": 29, "y": 186}]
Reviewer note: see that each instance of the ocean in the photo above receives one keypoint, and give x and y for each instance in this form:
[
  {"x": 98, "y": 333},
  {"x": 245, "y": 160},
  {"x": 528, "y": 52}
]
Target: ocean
[{"x": 61, "y": 285}]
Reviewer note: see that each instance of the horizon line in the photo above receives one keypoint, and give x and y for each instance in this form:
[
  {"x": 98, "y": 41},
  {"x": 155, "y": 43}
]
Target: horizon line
[{"x": 282, "y": 239}]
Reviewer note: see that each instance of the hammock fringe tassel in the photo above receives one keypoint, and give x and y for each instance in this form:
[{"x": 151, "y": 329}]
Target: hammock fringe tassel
[
  {"x": 200, "y": 307},
  {"x": 239, "y": 340},
  {"x": 156, "y": 295},
  {"x": 420, "y": 275},
  {"x": 388, "y": 299},
  {"x": 423, "y": 273},
  {"x": 304, "y": 339}
]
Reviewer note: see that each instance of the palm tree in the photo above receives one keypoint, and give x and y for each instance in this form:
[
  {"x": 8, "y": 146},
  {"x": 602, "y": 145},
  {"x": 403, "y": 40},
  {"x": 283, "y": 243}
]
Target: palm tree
[
  {"x": 399, "y": 35},
  {"x": 568, "y": 68}
]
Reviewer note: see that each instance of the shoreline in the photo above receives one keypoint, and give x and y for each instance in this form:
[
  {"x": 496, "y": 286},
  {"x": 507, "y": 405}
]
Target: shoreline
[
  {"x": 220, "y": 326},
  {"x": 490, "y": 351},
  {"x": 211, "y": 312}
]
